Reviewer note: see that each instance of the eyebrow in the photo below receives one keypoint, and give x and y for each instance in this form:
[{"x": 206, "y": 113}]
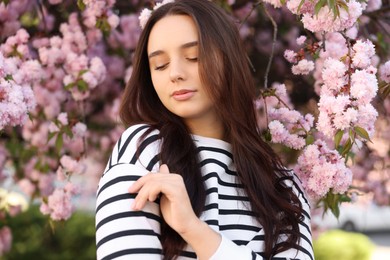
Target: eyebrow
[{"x": 184, "y": 46}]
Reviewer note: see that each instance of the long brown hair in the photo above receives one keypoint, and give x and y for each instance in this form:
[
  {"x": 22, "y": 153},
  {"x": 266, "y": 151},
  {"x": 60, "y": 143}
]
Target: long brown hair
[{"x": 225, "y": 73}]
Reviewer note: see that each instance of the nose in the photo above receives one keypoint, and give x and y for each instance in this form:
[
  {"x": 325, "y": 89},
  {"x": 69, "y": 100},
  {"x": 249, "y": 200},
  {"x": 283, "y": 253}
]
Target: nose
[{"x": 177, "y": 70}]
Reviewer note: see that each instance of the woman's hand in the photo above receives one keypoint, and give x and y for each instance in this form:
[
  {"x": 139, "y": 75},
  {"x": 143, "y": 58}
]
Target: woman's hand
[
  {"x": 176, "y": 209},
  {"x": 175, "y": 204}
]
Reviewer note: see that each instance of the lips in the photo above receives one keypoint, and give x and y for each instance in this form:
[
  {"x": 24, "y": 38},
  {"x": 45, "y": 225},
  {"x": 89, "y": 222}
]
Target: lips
[{"x": 183, "y": 94}]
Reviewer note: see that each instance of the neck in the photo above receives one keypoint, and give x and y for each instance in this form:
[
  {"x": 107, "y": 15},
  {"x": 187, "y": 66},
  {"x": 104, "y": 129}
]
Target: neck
[{"x": 209, "y": 128}]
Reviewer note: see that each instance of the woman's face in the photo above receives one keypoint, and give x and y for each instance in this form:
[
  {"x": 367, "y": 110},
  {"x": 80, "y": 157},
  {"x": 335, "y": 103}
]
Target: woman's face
[{"x": 173, "y": 60}]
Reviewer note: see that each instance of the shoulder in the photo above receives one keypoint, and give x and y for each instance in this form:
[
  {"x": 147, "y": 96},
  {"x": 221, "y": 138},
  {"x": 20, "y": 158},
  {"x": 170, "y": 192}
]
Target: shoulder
[
  {"x": 138, "y": 144},
  {"x": 292, "y": 181}
]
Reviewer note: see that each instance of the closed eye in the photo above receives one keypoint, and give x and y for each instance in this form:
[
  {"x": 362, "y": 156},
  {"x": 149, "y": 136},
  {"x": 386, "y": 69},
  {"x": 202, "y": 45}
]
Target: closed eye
[
  {"x": 193, "y": 59},
  {"x": 161, "y": 67}
]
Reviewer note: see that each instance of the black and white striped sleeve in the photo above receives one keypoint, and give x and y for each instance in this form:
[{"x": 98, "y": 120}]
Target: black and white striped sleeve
[{"x": 121, "y": 232}]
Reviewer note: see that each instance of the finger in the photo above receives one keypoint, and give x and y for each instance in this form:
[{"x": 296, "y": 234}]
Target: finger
[
  {"x": 148, "y": 192},
  {"x": 137, "y": 185},
  {"x": 164, "y": 168}
]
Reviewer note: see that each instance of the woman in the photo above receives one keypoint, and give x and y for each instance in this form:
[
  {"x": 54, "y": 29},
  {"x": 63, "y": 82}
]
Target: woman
[{"x": 202, "y": 182}]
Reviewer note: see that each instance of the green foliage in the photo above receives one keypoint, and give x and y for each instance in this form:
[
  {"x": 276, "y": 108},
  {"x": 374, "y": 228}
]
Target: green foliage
[
  {"x": 337, "y": 244},
  {"x": 332, "y": 202},
  {"x": 34, "y": 238}
]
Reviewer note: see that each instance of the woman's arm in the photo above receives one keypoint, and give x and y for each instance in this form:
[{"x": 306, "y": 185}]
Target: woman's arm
[
  {"x": 207, "y": 243},
  {"x": 121, "y": 231}
]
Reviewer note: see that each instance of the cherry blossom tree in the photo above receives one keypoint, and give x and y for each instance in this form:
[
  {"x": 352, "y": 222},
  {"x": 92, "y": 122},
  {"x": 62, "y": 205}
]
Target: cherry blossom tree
[{"x": 64, "y": 63}]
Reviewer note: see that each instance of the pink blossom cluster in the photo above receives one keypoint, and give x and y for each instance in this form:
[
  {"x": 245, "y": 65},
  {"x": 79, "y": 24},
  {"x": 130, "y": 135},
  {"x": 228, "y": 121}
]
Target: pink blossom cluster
[
  {"x": 68, "y": 167},
  {"x": 373, "y": 5},
  {"x": 384, "y": 72},
  {"x": 9, "y": 16},
  {"x": 59, "y": 205},
  {"x": 67, "y": 63},
  {"x": 301, "y": 66},
  {"x": 325, "y": 21},
  {"x": 322, "y": 170},
  {"x": 17, "y": 75},
  {"x": 35, "y": 180},
  {"x": 288, "y": 127},
  {"x": 347, "y": 91},
  {"x": 127, "y": 33},
  {"x": 5, "y": 240},
  {"x": 146, "y": 13},
  {"x": 96, "y": 10}
]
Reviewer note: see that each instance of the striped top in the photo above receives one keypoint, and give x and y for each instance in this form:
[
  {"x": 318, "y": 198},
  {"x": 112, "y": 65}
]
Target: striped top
[{"x": 122, "y": 233}]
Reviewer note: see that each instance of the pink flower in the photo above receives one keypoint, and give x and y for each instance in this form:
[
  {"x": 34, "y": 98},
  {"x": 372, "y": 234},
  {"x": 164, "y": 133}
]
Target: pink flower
[
  {"x": 5, "y": 240},
  {"x": 98, "y": 69},
  {"x": 278, "y": 131},
  {"x": 27, "y": 186},
  {"x": 45, "y": 184},
  {"x": 301, "y": 40},
  {"x": 303, "y": 67},
  {"x": 79, "y": 129},
  {"x": 364, "y": 86},
  {"x": 61, "y": 174},
  {"x": 144, "y": 17},
  {"x": 71, "y": 188},
  {"x": 58, "y": 205},
  {"x": 113, "y": 21},
  {"x": 384, "y": 72},
  {"x": 334, "y": 76},
  {"x": 363, "y": 52},
  {"x": 322, "y": 170},
  {"x": 290, "y": 56},
  {"x": 71, "y": 165},
  {"x": 63, "y": 118}
]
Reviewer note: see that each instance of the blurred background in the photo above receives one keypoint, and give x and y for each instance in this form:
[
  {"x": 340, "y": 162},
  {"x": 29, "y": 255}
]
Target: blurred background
[{"x": 66, "y": 63}]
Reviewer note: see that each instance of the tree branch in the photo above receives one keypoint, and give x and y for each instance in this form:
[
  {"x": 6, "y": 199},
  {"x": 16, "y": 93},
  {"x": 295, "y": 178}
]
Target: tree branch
[{"x": 275, "y": 33}]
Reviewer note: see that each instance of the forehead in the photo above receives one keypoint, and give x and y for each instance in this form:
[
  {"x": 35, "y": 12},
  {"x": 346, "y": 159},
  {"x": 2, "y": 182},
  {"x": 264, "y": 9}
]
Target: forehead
[{"x": 172, "y": 31}]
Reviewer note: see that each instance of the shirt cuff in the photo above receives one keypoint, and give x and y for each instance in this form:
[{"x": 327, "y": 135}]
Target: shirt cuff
[{"x": 227, "y": 250}]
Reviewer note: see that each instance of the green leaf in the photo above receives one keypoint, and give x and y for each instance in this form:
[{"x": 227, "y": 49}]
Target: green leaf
[
  {"x": 82, "y": 85},
  {"x": 59, "y": 142},
  {"x": 8, "y": 77},
  {"x": 347, "y": 147},
  {"x": 268, "y": 136},
  {"x": 68, "y": 131},
  {"x": 335, "y": 210},
  {"x": 69, "y": 86},
  {"x": 81, "y": 5},
  {"x": 300, "y": 5},
  {"x": 345, "y": 198},
  {"x": 319, "y": 5},
  {"x": 51, "y": 135},
  {"x": 29, "y": 19},
  {"x": 309, "y": 139},
  {"x": 103, "y": 25},
  {"x": 82, "y": 72},
  {"x": 337, "y": 138},
  {"x": 362, "y": 133}
]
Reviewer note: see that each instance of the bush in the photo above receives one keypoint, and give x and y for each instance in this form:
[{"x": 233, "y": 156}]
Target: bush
[
  {"x": 337, "y": 244},
  {"x": 35, "y": 238}
]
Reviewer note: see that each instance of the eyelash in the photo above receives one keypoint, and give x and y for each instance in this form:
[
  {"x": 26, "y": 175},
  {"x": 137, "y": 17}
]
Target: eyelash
[{"x": 163, "y": 66}]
